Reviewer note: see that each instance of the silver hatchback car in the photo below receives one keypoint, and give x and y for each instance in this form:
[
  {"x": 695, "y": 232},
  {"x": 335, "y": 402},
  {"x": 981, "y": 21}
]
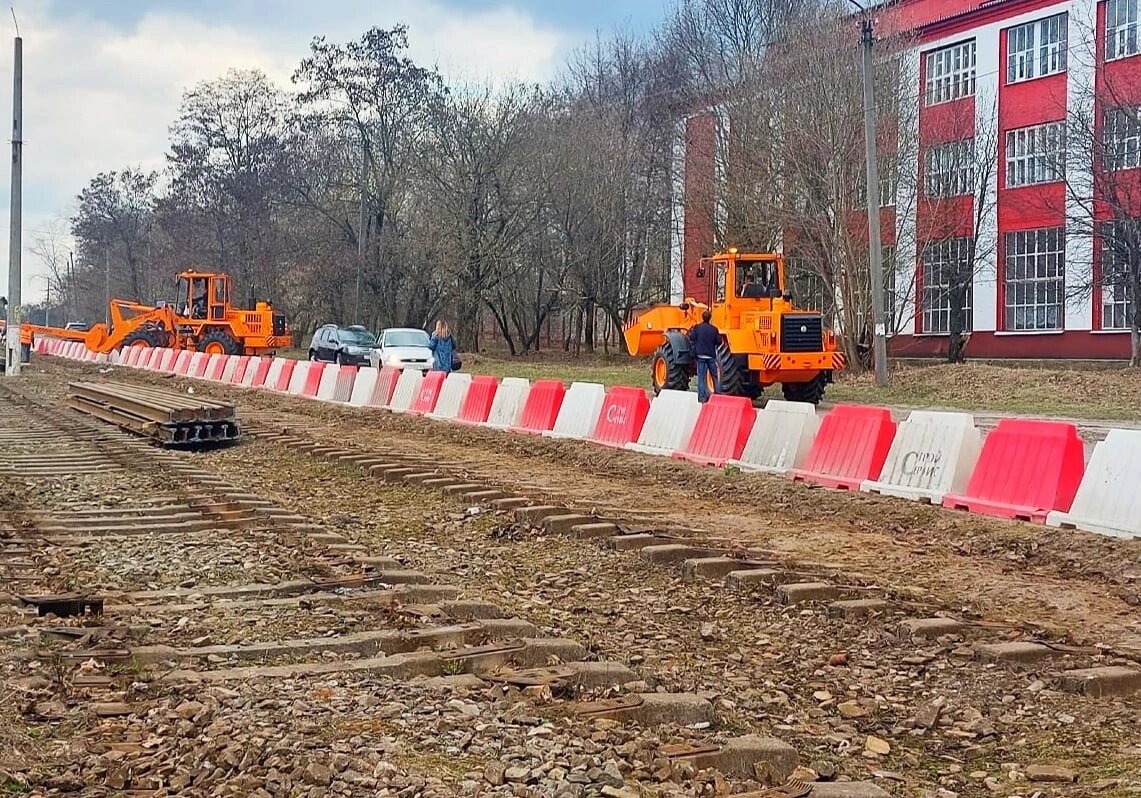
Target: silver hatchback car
[{"x": 403, "y": 348}]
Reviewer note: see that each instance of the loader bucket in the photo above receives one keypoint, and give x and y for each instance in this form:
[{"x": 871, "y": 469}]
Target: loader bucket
[{"x": 645, "y": 333}]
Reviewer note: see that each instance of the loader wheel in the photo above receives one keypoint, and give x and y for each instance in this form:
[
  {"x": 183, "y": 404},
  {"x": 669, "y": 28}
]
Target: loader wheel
[
  {"x": 667, "y": 372},
  {"x": 143, "y": 338},
  {"x": 811, "y": 391},
  {"x": 736, "y": 379},
  {"x": 219, "y": 342}
]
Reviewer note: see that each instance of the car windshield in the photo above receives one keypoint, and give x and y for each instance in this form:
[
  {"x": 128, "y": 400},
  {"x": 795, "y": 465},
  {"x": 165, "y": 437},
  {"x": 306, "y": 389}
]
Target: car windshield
[
  {"x": 357, "y": 337},
  {"x": 406, "y": 338}
]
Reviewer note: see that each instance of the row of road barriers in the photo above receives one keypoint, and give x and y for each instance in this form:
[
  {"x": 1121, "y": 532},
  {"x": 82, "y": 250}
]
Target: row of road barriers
[{"x": 1024, "y": 469}]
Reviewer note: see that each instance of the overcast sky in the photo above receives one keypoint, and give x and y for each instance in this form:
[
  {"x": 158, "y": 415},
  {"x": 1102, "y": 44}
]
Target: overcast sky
[{"x": 103, "y": 78}]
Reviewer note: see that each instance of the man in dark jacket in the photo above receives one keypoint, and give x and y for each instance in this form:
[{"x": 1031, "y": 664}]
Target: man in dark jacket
[{"x": 704, "y": 338}]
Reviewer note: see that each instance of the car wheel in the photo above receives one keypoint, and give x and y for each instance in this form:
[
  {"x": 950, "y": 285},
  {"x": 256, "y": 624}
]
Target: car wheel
[{"x": 312, "y": 355}]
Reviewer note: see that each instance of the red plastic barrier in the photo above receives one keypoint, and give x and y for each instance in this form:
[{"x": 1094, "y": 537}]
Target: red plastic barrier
[
  {"x": 542, "y": 407},
  {"x": 166, "y": 362},
  {"x": 623, "y": 413},
  {"x": 1026, "y": 469},
  {"x": 429, "y": 393},
  {"x": 198, "y": 363},
  {"x": 850, "y": 447},
  {"x": 240, "y": 367},
  {"x": 385, "y": 386},
  {"x": 154, "y": 357},
  {"x": 313, "y": 379},
  {"x": 214, "y": 366},
  {"x": 182, "y": 363},
  {"x": 477, "y": 404},
  {"x": 284, "y": 376},
  {"x": 722, "y": 427},
  {"x": 261, "y": 372}
]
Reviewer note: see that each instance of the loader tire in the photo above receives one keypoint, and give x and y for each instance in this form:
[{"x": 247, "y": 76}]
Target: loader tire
[
  {"x": 219, "y": 342},
  {"x": 811, "y": 391},
  {"x": 147, "y": 338},
  {"x": 736, "y": 379},
  {"x": 667, "y": 371}
]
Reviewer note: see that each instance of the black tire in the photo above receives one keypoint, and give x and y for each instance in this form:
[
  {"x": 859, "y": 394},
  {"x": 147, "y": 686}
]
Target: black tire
[
  {"x": 811, "y": 391},
  {"x": 736, "y": 379},
  {"x": 676, "y": 372},
  {"x": 221, "y": 338},
  {"x": 144, "y": 337}
]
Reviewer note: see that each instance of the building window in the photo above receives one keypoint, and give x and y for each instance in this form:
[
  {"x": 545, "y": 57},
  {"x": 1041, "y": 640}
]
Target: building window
[
  {"x": 946, "y": 266},
  {"x": 889, "y": 183},
  {"x": 1036, "y": 154},
  {"x": 950, "y": 73},
  {"x": 1035, "y": 277},
  {"x": 1122, "y": 138},
  {"x": 1120, "y": 247},
  {"x": 890, "y": 294},
  {"x": 1036, "y": 49},
  {"x": 1121, "y": 28},
  {"x": 949, "y": 169}
]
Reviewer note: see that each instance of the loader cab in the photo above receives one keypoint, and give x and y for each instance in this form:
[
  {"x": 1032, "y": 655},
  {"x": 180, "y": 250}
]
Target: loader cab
[
  {"x": 748, "y": 278},
  {"x": 203, "y": 296}
]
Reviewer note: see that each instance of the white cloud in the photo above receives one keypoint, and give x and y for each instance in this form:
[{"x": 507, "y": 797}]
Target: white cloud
[{"x": 98, "y": 96}]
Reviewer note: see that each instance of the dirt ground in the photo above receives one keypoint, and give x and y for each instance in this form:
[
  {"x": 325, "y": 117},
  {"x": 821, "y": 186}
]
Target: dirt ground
[{"x": 767, "y": 668}]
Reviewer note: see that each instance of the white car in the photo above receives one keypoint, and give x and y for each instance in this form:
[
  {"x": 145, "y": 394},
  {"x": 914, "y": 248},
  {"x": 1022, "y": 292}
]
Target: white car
[{"x": 403, "y": 348}]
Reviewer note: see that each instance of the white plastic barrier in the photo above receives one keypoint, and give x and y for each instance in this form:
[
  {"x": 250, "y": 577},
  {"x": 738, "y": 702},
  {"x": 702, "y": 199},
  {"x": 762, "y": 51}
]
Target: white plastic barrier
[
  {"x": 932, "y": 454},
  {"x": 452, "y": 395},
  {"x": 198, "y": 363},
  {"x": 299, "y": 376},
  {"x": 363, "y": 386},
  {"x": 166, "y": 362},
  {"x": 579, "y": 411},
  {"x": 336, "y": 383},
  {"x": 406, "y": 389},
  {"x": 275, "y": 368},
  {"x": 780, "y": 438},
  {"x": 508, "y": 403},
  {"x": 669, "y": 423},
  {"x": 251, "y": 371},
  {"x": 102, "y": 358},
  {"x": 1108, "y": 501},
  {"x": 212, "y": 365},
  {"x": 229, "y": 369}
]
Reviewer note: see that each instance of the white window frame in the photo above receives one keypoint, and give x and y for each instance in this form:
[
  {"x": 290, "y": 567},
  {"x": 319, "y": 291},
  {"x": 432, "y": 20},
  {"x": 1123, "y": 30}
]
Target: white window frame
[
  {"x": 1121, "y": 129},
  {"x": 935, "y": 302},
  {"x": 1122, "y": 36},
  {"x": 1036, "y": 49},
  {"x": 1036, "y": 154},
  {"x": 1034, "y": 279},
  {"x": 949, "y": 169},
  {"x": 949, "y": 73},
  {"x": 1116, "y": 299}
]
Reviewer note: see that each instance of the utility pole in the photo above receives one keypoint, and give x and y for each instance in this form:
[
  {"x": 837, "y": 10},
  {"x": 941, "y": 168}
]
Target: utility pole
[
  {"x": 107, "y": 287},
  {"x": 14, "y": 354},
  {"x": 362, "y": 233},
  {"x": 875, "y": 246}
]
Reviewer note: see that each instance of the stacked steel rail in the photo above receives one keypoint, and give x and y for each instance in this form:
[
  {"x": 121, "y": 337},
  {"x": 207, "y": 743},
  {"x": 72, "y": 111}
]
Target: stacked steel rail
[{"x": 171, "y": 419}]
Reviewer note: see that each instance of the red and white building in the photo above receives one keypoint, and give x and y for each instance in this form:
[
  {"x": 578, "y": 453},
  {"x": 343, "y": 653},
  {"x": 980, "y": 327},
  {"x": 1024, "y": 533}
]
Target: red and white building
[{"x": 1014, "y": 72}]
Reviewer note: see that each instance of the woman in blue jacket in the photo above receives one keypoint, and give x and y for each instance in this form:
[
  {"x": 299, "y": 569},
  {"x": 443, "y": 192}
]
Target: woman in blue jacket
[{"x": 443, "y": 345}]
